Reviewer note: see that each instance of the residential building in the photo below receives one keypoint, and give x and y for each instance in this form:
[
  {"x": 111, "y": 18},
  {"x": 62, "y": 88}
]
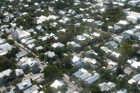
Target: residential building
[
  {"x": 123, "y": 22},
  {"x": 4, "y": 48},
  {"x": 116, "y": 55},
  {"x": 73, "y": 44},
  {"x": 30, "y": 64},
  {"x": 134, "y": 79},
  {"x": 128, "y": 33},
  {"x": 107, "y": 51},
  {"x": 106, "y": 86},
  {"x": 137, "y": 35},
  {"x": 80, "y": 38},
  {"x": 50, "y": 54},
  {"x": 77, "y": 61},
  {"x": 84, "y": 76},
  {"x": 127, "y": 71},
  {"x": 19, "y": 34},
  {"x": 133, "y": 17},
  {"x": 20, "y": 54},
  {"x": 61, "y": 12},
  {"x": 6, "y": 75},
  {"x": 19, "y": 72},
  {"x": 31, "y": 46},
  {"x": 32, "y": 89},
  {"x": 91, "y": 52},
  {"x": 79, "y": 72},
  {"x": 92, "y": 79},
  {"x": 24, "y": 85},
  {"x": 114, "y": 28},
  {"x": 57, "y": 84},
  {"x": 112, "y": 44},
  {"x": 133, "y": 3},
  {"x": 58, "y": 44},
  {"x": 119, "y": 39},
  {"x": 91, "y": 61},
  {"x": 39, "y": 48}
]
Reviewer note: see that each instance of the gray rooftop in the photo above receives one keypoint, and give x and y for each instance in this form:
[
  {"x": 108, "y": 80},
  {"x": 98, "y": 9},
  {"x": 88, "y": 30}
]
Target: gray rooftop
[
  {"x": 31, "y": 89},
  {"x": 23, "y": 85}
]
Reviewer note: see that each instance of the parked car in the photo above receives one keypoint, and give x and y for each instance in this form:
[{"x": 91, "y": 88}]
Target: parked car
[{"x": 73, "y": 82}]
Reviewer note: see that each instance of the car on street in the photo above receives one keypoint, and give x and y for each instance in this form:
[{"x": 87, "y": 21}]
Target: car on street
[{"x": 73, "y": 82}]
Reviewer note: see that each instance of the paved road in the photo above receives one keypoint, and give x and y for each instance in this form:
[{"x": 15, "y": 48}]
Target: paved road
[{"x": 73, "y": 86}]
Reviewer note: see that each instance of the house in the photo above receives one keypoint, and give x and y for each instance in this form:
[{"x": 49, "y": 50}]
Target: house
[
  {"x": 39, "y": 48},
  {"x": 130, "y": 61},
  {"x": 50, "y": 54},
  {"x": 80, "y": 72},
  {"x": 64, "y": 20},
  {"x": 40, "y": 80},
  {"x": 61, "y": 12},
  {"x": 72, "y": 12},
  {"x": 135, "y": 65},
  {"x": 91, "y": 52},
  {"x": 84, "y": 76},
  {"x": 119, "y": 39},
  {"x": 54, "y": 36},
  {"x": 19, "y": 34},
  {"x": 112, "y": 44},
  {"x": 32, "y": 89},
  {"x": 114, "y": 29},
  {"x": 73, "y": 44},
  {"x": 80, "y": 38},
  {"x": 6, "y": 75},
  {"x": 4, "y": 48},
  {"x": 91, "y": 61},
  {"x": 128, "y": 33},
  {"x": 87, "y": 36},
  {"x": 133, "y": 3},
  {"x": 30, "y": 64},
  {"x": 106, "y": 86},
  {"x": 42, "y": 18},
  {"x": 31, "y": 46},
  {"x": 127, "y": 71},
  {"x": 19, "y": 72},
  {"x": 116, "y": 55},
  {"x": 133, "y": 17},
  {"x": 29, "y": 41},
  {"x": 107, "y": 51},
  {"x": 44, "y": 39},
  {"x": 24, "y": 85},
  {"x": 55, "y": 45},
  {"x": 112, "y": 66},
  {"x": 95, "y": 34},
  {"x": 39, "y": 28},
  {"x": 134, "y": 79},
  {"x": 57, "y": 84},
  {"x": 92, "y": 79},
  {"x": 77, "y": 61},
  {"x": 2, "y": 41},
  {"x": 123, "y": 22},
  {"x": 20, "y": 54},
  {"x": 136, "y": 35}
]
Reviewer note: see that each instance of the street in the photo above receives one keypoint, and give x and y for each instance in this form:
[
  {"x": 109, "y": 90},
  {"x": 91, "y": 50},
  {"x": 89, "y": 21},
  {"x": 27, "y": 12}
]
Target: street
[{"x": 73, "y": 86}]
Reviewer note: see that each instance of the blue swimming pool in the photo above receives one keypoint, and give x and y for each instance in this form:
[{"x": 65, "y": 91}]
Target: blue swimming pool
[{"x": 123, "y": 90}]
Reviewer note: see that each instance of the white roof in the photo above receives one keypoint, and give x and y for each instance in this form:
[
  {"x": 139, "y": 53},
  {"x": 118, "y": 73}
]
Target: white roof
[
  {"x": 117, "y": 55},
  {"x": 57, "y": 84},
  {"x": 135, "y": 14},
  {"x": 54, "y": 45},
  {"x": 5, "y": 72},
  {"x": 80, "y": 37},
  {"x": 19, "y": 72},
  {"x": 93, "y": 78},
  {"x": 43, "y": 18},
  {"x": 132, "y": 17},
  {"x": 85, "y": 76},
  {"x": 122, "y": 22},
  {"x": 23, "y": 59},
  {"x": 50, "y": 54},
  {"x": 73, "y": 44},
  {"x": 96, "y": 34},
  {"x": 135, "y": 65},
  {"x": 134, "y": 79},
  {"x": 39, "y": 47}
]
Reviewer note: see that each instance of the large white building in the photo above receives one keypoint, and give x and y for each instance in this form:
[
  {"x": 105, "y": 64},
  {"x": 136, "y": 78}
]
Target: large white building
[{"x": 19, "y": 34}]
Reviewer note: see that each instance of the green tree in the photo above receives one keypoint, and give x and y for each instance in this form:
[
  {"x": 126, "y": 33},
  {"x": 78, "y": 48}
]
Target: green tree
[
  {"x": 10, "y": 41},
  {"x": 42, "y": 56},
  {"x": 95, "y": 89},
  {"x": 51, "y": 72},
  {"x": 58, "y": 51}
]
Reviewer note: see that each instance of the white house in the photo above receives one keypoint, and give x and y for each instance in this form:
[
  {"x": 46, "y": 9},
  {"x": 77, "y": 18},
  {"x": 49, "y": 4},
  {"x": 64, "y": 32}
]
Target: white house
[
  {"x": 119, "y": 39},
  {"x": 77, "y": 61},
  {"x": 134, "y": 79},
  {"x": 50, "y": 54},
  {"x": 61, "y": 12},
  {"x": 57, "y": 84},
  {"x": 107, "y": 51},
  {"x": 112, "y": 44},
  {"x": 19, "y": 34},
  {"x": 133, "y": 16},
  {"x": 133, "y": 3},
  {"x": 55, "y": 45},
  {"x": 84, "y": 76},
  {"x": 92, "y": 79},
  {"x": 80, "y": 72},
  {"x": 128, "y": 33},
  {"x": 80, "y": 38},
  {"x": 106, "y": 86},
  {"x": 116, "y": 55},
  {"x": 73, "y": 44}
]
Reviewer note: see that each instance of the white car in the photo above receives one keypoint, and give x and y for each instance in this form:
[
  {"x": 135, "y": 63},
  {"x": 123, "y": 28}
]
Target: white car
[{"x": 73, "y": 82}]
